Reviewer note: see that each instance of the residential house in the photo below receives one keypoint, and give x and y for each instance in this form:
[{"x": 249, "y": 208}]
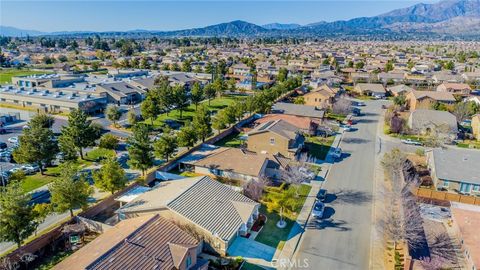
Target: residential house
[
  {"x": 465, "y": 224},
  {"x": 391, "y": 77},
  {"x": 213, "y": 209},
  {"x": 370, "y": 89},
  {"x": 460, "y": 89},
  {"x": 476, "y": 126},
  {"x": 422, "y": 121},
  {"x": 311, "y": 112},
  {"x": 471, "y": 76},
  {"x": 306, "y": 124},
  {"x": 321, "y": 97},
  {"x": 233, "y": 163},
  {"x": 399, "y": 90},
  {"x": 276, "y": 137},
  {"x": 145, "y": 242},
  {"x": 447, "y": 77},
  {"x": 455, "y": 169},
  {"x": 426, "y": 99},
  {"x": 240, "y": 69}
]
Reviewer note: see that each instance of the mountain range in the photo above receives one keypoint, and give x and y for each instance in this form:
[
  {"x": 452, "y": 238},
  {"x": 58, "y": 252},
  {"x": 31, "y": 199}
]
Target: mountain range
[{"x": 456, "y": 18}]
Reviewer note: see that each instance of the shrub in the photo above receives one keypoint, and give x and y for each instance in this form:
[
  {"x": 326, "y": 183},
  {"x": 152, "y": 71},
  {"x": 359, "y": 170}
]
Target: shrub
[{"x": 108, "y": 141}]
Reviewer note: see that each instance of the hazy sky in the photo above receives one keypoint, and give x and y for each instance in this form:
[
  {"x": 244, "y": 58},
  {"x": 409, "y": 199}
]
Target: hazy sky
[{"x": 169, "y": 15}]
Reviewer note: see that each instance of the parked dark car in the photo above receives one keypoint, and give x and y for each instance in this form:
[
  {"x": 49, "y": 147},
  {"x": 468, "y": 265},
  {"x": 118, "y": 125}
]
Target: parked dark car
[
  {"x": 322, "y": 195},
  {"x": 3, "y": 131},
  {"x": 3, "y": 145},
  {"x": 172, "y": 124}
]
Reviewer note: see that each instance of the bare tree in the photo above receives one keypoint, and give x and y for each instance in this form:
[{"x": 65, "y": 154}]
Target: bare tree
[
  {"x": 433, "y": 262},
  {"x": 438, "y": 135},
  {"x": 254, "y": 189},
  {"x": 401, "y": 220},
  {"x": 342, "y": 106},
  {"x": 7, "y": 264},
  {"x": 461, "y": 111}
]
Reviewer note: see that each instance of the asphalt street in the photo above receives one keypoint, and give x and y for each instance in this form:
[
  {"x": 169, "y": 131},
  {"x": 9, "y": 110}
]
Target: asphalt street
[{"x": 341, "y": 240}]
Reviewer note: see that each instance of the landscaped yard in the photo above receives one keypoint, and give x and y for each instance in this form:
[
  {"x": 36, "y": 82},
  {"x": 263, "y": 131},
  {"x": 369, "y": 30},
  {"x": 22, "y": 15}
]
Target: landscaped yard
[
  {"x": 99, "y": 153},
  {"x": 272, "y": 235},
  {"x": 232, "y": 140},
  {"x": 7, "y": 74},
  {"x": 215, "y": 105},
  {"x": 469, "y": 144},
  {"x": 318, "y": 147}
]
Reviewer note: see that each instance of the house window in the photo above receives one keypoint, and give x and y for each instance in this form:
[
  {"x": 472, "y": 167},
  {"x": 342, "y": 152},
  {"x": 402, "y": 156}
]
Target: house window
[
  {"x": 476, "y": 188},
  {"x": 188, "y": 262},
  {"x": 465, "y": 188},
  {"x": 272, "y": 141},
  {"x": 445, "y": 184}
]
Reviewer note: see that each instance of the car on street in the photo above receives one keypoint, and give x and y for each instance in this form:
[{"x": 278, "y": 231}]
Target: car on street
[
  {"x": 337, "y": 153},
  {"x": 361, "y": 103},
  {"x": 318, "y": 209},
  {"x": 322, "y": 195},
  {"x": 3, "y": 131},
  {"x": 3, "y": 146},
  {"x": 13, "y": 140},
  {"x": 411, "y": 142},
  {"x": 347, "y": 128},
  {"x": 30, "y": 168}
]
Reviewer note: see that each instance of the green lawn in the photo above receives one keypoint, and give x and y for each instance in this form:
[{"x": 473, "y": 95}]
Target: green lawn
[
  {"x": 232, "y": 140},
  {"x": 37, "y": 180},
  {"x": 99, "y": 153},
  {"x": 187, "y": 115},
  {"x": 337, "y": 117},
  {"x": 7, "y": 74},
  {"x": 272, "y": 235},
  {"x": 318, "y": 147}
]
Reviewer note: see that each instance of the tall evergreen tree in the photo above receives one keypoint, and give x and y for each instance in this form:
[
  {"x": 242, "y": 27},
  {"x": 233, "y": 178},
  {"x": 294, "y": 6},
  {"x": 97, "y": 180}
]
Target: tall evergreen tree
[
  {"x": 80, "y": 130},
  {"x": 140, "y": 149}
]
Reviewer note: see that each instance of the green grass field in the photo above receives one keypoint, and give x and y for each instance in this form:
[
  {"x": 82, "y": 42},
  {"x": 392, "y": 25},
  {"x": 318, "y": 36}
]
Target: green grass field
[
  {"x": 187, "y": 115},
  {"x": 272, "y": 235},
  {"x": 232, "y": 140},
  {"x": 7, "y": 74}
]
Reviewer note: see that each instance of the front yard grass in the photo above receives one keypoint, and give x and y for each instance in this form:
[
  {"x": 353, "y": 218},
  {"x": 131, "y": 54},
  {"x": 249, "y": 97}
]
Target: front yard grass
[
  {"x": 270, "y": 234},
  {"x": 337, "y": 117},
  {"x": 318, "y": 147}
]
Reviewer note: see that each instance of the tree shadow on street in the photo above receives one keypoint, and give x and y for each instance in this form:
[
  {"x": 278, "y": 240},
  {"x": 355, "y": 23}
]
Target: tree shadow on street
[
  {"x": 321, "y": 224},
  {"x": 350, "y": 196},
  {"x": 355, "y": 140}
]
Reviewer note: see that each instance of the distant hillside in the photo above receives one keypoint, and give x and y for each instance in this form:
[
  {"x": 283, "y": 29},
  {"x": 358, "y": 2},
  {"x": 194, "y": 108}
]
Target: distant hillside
[
  {"x": 459, "y": 18},
  {"x": 16, "y": 32},
  {"x": 281, "y": 26}
]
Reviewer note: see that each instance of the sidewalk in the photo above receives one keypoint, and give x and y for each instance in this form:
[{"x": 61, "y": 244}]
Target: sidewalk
[{"x": 296, "y": 233}]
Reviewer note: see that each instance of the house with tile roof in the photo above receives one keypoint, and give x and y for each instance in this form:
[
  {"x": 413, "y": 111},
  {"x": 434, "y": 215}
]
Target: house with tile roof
[
  {"x": 426, "y": 99},
  {"x": 460, "y": 89},
  {"x": 145, "y": 242},
  {"x": 216, "y": 211},
  {"x": 276, "y": 137}
]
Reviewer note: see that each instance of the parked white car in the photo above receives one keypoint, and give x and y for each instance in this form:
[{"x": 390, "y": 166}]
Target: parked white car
[
  {"x": 13, "y": 140},
  {"x": 411, "y": 142},
  {"x": 318, "y": 209},
  {"x": 30, "y": 168}
]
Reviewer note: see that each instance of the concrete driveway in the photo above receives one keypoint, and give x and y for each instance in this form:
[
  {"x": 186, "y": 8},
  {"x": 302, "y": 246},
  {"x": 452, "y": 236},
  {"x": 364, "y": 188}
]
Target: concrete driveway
[{"x": 251, "y": 249}]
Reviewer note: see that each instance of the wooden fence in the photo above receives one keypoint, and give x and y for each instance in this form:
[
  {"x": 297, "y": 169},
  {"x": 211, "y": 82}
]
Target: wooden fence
[{"x": 445, "y": 196}]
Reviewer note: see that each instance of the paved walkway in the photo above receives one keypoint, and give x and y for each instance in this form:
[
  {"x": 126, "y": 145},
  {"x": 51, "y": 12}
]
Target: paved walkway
[{"x": 253, "y": 251}]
